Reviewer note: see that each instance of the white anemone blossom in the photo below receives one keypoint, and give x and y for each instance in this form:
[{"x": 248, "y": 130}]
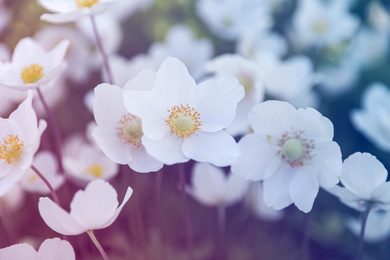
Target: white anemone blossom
[
  {"x": 182, "y": 120},
  {"x": 31, "y": 66},
  {"x": 94, "y": 208},
  {"x": 364, "y": 180},
  {"x": 292, "y": 151},
  {"x": 50, "y": 249},
  {"x": 66, "y": 11}
]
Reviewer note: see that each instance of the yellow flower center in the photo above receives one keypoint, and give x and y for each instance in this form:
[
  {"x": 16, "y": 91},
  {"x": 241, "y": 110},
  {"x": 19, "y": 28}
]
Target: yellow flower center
[
  {"x": 86, "y": 3},
  {"x": 130, "y": 130},
  {"x": 183, "y": 121},
  {"x": 320, "y": 27},
  {"x": 33, "y": 177},
  {"x": 32, "y": 73},
  {"x": 96, "y": 170},
  {"x": 11, "y": 149}
]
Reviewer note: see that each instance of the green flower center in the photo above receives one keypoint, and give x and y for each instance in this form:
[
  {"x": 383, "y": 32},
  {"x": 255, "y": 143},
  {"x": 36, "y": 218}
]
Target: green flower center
[{"x": 292, "y": 149}]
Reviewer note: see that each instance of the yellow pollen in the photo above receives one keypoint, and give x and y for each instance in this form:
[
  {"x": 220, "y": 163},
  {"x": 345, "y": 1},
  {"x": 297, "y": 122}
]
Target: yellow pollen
[
  {"x": 32, "y": 178},
  {"x": 11, "y": 149},
  {"x": 320, "y": 27},
  {"x": 32, "y": 73},
  {"x": 130, "y": 130},
  {"x": 86, "y": 3},
  {"x": 95, "y": 170},
  {"x": 183, "y": 121}
]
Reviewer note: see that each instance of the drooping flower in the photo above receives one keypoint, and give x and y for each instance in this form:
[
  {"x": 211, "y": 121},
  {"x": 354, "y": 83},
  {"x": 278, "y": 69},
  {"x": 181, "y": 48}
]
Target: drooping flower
[
  {"x": 292, "y": 151},
  {"x": 94, "y": 208},
  {"x": 182, "y": 120},
  {"x": 66, "y": 11},
  {"x": 364, "y": 180},
  {"x": 31, "y": 66},
  {"x": 118, "y": 132},
  {"x": 19, "y": 140},
  {"x": 211, "y": 187},
  {"x": 373, "y": 120},
  {"x": 50, "y": 249}
]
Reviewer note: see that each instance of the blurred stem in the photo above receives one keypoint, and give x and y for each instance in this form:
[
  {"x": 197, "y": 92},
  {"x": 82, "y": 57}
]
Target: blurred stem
[
  {"x": 99, "y": 43},
  {"x": 54, "y": 130},
  {"x": 221, "y": 219},
  {"x": 190, "y": 239},
  {"x": 97, "y": 244},
  {"x": 306, "y": 237},
  {"x": 158, "y": 187},
  {"x": 8, "y": 225},
  {"x": 52, "y": 191},
  {"x": 363, "y": 229}
]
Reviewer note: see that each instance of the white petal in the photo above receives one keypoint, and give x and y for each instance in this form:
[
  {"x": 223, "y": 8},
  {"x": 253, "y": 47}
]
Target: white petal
[
  {"x": 218, "y": 148},
  {"x": 65, "y": 17},
  {"x": 303, "y": 189},
  {"x": 346, "y": 196},
  {"x": 168, "y": 150},
  {"x": 143, "y": 81},
  {"x": 58, "y": 219},
  {"x": 217, "y": 100},
  {"x": 18, "y": 252},
  {"x": 26, "y": 52},
  {"x": 317, "y": 127},
  {"x": 362, "y": 173},
  {"x": 144, "y": 162},
  {"x": 382, "y": 193},
  {"x": 57, "y": 249}
]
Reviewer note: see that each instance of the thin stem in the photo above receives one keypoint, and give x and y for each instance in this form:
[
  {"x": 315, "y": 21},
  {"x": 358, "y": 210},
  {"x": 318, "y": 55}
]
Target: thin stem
[
  {"x": 158, "y": 187},
  {"x": 306, "y": 237},
  {"x": 221, "y": 219},
  {"x": 97, "y": 244},
  {"x": 102, "y": 50},
  {"x": 52, "y": 191},
  {"x": 54, "y": 129},
  {"x": 190, "y": 242},
  {"x": 363, "y": 230},
  {"x": 9, "y": 227}
]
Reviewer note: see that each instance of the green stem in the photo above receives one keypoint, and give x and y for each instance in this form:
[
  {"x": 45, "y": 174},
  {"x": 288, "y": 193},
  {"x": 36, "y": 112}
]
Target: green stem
[{"x": 97, "y": 244}]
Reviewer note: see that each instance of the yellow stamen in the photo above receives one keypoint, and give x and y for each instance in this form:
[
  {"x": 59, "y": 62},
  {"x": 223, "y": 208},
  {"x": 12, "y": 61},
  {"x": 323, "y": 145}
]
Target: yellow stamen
[
  {"x": 85, "y": 3},
  {"x": 95, "y": 170},
  {"x": 32, "y": 73},
  {"x": 130, "y": 130},
  {"x": 11, "y": 149},
  {"x": 183, "y": 121}
]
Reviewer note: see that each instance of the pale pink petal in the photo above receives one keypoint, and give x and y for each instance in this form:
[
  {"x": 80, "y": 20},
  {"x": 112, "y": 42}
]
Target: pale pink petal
[
  {"x": 218, "y": 148},
  {"x": 58, "y": 219},
  {"x": 144, "y": 162},
  {"x": 18, "y": 252},
  {"x": 216, "y": 101},
  {"x": 71, "y": 16},
  {"x": 303, "y": 189},
  {"x": 26, "y": 52},
  {"x": 56, "y": 249},
  {"x": 143, "y": 81},
  {"x": 58, "y": 6}
]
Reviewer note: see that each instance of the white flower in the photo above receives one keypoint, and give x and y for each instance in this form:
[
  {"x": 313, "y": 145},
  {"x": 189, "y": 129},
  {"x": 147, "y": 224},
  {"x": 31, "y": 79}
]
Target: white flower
[
  {"x": 31, "y": 65},
  {"x": 66, "y": 11},
  {"x": 50, "y": 249},
  {"x": 248, "y": 74},
  {"x": 373, "y": 120},
  {"x": 123, "y": 9},
  {"x": 211, "y": 187},
  {"x": 19, "y": 140},
  {"x": 182, "y": 120},
  {"x": 46, "y": 163},
  {"x": 292, "y": 151},
  {"x": 317, "y": 23},
  {"x": 94, "y": 208},
  {"x": 12, "y": 201},
  {"x": 84, "y": 162},
  {"x": 118, "y": 132},
  {"x": 364, "y": 180}
]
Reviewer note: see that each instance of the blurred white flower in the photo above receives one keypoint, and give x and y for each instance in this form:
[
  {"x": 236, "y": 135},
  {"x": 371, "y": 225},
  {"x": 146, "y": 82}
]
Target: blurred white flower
[
  {"x": 47, "y": 165},
  {"x": 66, "y": 11},
  {"x": 31, "y": 65},
  {"x": 211, "y": 187},
  {"x": 118, "y": 132},
  {"x": 373, "y": 120},
  {"x": 12, "y": 201},
  {"x": 230, "y": 18},
  {"x": 248, "y": 74},
  {"x": 377, "y": 227},
  {"x": 50, "y": 249},
  {"x": 292, "y": 151},
  {"x": 378, "y": 17},
  {"x": 180, "y": 42},
  {"x": 94, "y": 208},
  {"x": 319, "y": 23},
  {"x": 182, "y": 120},
  {"x": 19, "y": 140},
  {"x": 124, "y": 9},
  {"x": 364, "y": 181},
  {"x": 85, "y": 162}
]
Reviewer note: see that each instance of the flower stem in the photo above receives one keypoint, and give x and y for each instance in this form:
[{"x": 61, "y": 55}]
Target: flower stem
[
  {"x": 54, "y": 129},
  {"x": 52, "y": 191},
  {"x": 221, "y": 218},
  {"x": 158, "y": 187},
  {"x": 363, "y": 229},
  {"x": 190, "y": 242},
  {"x": 97, "y": 244},
  {"x": 102, "y": 50}
]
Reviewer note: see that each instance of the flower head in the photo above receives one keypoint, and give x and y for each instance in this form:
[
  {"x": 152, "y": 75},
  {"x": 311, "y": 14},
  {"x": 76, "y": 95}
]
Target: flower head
[
  {"x": 32, "y": 66},
  {"x": 94, "y": 208},
  {"x": 182, "y": 120},
  {"x": 292, "y": 151}
]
